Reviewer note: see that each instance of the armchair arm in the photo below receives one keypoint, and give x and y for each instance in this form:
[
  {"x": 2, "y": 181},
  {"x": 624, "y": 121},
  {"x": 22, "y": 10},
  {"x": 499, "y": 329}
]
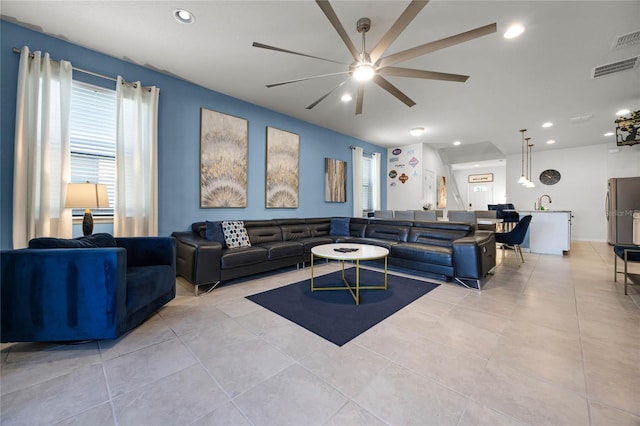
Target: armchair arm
[
  {"x": 147, "y": 251},
  {"x": 474, "y": 256},
  {"x": 62, "y": 294},
  {"x": 197, "y": 259}
]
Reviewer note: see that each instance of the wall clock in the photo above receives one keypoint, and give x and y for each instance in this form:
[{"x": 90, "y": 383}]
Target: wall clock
[{"x": 550, "y": 177}]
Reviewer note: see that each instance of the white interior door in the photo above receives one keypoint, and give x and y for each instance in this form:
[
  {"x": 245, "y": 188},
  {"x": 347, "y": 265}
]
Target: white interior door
[
  {"x": 429, "y": 188},
  {"x": 480, "y": 195}
]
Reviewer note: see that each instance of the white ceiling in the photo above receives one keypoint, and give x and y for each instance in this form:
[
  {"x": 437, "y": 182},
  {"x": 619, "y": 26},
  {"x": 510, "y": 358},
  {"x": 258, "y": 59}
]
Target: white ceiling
[{"x": 544, "y": 75}]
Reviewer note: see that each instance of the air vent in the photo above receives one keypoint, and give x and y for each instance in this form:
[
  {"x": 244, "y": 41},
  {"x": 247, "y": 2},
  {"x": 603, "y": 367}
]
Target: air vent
[
  {"x": 626, "y": 40},
  {"x": 624, "y": 65},
  {"x": 581, "y": 118}
]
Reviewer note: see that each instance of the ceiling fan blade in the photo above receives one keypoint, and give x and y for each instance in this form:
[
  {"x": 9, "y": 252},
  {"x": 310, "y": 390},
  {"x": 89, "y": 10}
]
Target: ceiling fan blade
[
  {"x": 360, "y": 98},
  {"x": 401, "y": 23},
  {"x": 380, "y": 81},
  {"x": 325, "y": 96},
  {"x": 437, "y": 45},
  {"x": 277, "y": 49},
  {"x": 429, "y": 75},
  {"x": 305, "y": 78},
  {"x": 333, "y": 18}
]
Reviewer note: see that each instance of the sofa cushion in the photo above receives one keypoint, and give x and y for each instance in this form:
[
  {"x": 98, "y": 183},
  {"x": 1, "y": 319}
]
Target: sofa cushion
[
  {"x": 89, "y": 241},
  {"x": 387, "y": 232},
  {"x": 263, "y": 233},
  {"x": 295, "y": 232},
  {"x": 309, "y": 243},
  {"x": 214, "y": 232},
  {"x": 339, "y": 227},
  {"x": 243, "y": 256},
  {"x": 370, "y": 241},
  {"x": 423, "y": 253},
  {"x": 282, "y": 249},
  {"x": 433, "y": 235},
  {"x": 319, "y": 227},
  {"x": 235, "y": 235},
  {"x": 147, "y": 283}
]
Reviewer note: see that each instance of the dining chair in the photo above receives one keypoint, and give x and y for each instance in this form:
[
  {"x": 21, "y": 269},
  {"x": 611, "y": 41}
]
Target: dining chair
[{"x": 515, "y": 237}]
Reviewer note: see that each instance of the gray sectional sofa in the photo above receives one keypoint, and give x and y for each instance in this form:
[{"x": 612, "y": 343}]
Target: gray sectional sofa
[{"x": 448, "y": 250}]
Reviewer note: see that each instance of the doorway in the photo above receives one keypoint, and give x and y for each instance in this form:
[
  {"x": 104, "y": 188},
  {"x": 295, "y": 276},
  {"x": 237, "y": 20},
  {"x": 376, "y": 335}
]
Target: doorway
[{"x": 479, "y": 196}]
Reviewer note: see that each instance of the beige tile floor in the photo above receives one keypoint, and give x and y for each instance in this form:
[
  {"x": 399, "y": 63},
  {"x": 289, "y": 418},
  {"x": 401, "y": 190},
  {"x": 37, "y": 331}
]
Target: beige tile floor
[{"x": 553, "y": 341}]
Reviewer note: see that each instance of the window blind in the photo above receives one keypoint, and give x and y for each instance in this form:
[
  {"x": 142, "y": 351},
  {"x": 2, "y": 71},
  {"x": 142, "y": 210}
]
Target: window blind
[
  {"x": 367, "y": 196},
  {"x": 93, "y": 139}
]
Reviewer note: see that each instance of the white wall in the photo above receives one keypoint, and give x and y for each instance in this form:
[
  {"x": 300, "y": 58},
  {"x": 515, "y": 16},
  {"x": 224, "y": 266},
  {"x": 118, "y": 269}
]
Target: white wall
[
  {"x": 499, "y": 184},
  {"x": 407, "y": 160},
  {"x": 582, "y": 187}
]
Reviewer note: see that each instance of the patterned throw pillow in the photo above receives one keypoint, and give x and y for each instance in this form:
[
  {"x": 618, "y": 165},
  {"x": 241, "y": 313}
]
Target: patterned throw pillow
[{"x": 235, "y": 235}]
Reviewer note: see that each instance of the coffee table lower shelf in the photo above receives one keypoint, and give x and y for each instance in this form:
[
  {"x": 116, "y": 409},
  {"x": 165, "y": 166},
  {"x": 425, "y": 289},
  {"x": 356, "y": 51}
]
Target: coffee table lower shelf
[{"x": 363, "y": 252}]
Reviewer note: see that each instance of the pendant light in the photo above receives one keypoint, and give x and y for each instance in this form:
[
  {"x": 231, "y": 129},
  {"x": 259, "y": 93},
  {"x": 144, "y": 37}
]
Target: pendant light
[
  {"x": 529, "y": 183},
  {"x": 523, "y": 178}
]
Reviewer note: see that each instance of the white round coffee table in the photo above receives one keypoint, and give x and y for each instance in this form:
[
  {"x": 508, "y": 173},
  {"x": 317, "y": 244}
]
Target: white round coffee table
[{"x": 350, "y": 252}]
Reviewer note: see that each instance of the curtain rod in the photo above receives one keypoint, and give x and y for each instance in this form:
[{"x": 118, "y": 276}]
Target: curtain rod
[
  {"x": 363, "y": 151},
  {"x": 95, "y": 74}
]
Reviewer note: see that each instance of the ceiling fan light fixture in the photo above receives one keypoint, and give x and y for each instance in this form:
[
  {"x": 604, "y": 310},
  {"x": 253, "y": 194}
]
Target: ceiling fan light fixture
[
  {"x": 364, "y": 72},
  {"x": 417, "y": 131},
  {"x": 184, "y": 16},
  {"x": 513, "y": 31}
]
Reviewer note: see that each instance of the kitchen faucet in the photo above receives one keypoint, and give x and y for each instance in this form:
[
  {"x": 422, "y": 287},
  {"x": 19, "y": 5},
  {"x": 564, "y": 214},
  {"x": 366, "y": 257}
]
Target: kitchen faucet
[{"x": 540, "y": 206}]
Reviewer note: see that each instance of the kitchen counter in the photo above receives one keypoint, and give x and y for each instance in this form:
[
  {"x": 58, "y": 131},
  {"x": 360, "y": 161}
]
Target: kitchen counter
[{"x": 549, "y": 231}]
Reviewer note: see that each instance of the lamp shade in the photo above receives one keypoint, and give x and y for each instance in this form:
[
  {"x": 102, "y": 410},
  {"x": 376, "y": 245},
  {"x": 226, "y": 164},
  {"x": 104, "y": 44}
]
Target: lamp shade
[{"x": 86, "y": 196}]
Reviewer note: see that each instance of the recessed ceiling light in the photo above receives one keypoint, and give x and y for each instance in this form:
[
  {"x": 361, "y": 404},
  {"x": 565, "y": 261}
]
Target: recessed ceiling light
[
  {"x": 346, "y": 97},
  {"x": 476, "y": 165},
  {"x": 184, "y": 16},
  {"x": 456, "y": 143},
  {"x": 514, "y": 31},
  {"x": 547, "y": 124},
  {"x": 417, "y": 131},
  {"x": 623, "y": 112},
  {"x": 550, "y": 142},
  {"x": 609, "y": 134}
]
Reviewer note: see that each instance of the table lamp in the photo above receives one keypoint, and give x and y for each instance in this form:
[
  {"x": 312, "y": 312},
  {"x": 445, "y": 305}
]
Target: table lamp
[{"x": 87, "y": 196}]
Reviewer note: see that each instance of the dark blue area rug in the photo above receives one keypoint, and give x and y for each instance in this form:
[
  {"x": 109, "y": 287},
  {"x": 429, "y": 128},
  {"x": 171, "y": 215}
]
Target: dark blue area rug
[{"x": 334, "y": 315}]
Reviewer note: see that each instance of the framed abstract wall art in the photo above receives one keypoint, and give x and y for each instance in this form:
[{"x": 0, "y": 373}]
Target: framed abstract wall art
[
  {"x": 335, "y": 180},
  {"x": 283, "y": 149},
  {"x": 224, "y": 142},
  {"x": 441, "y": 202}
]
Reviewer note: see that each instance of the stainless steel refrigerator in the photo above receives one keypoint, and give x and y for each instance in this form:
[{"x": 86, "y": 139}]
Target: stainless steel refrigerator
[{"x": 623, "y": 198}]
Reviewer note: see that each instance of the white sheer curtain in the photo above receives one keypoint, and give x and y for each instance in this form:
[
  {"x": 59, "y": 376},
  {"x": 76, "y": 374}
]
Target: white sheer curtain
[
  {"x": 375, "y": 181},
  {"x": 356, "y": 160},
  {"x": 136, "y": 209},
  {"x": 42, "y": 157}
]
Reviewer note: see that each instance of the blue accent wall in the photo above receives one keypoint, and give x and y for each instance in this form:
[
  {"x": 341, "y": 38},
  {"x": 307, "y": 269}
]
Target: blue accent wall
[{"x": 179, "y": 139}]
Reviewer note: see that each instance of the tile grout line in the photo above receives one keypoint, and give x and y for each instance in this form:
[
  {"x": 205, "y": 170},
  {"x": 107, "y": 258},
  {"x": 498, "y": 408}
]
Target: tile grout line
[{"x": 106, "y": 383}]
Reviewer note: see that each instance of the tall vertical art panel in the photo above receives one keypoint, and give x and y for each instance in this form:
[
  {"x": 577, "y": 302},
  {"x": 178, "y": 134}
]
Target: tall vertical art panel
[
  {"x": 335, "y": 180},
  {"x": 441, "y": 202},
  {"x": 224, "y": 144},
  {"x": 283, "y": 149}
]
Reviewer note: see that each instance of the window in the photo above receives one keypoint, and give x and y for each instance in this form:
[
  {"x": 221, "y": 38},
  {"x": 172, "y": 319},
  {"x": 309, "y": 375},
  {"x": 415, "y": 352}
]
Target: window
[
  {"x": 93, "y": 139},
  {"x": 367, "y": 184}
]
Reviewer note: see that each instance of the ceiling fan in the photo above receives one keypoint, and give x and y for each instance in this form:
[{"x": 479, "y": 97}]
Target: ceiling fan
[{"x": 372, "y": 66}]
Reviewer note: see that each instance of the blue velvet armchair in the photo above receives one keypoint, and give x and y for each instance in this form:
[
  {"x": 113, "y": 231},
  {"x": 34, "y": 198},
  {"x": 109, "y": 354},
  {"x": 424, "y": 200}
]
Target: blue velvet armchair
[{"x": 96, "y": 287}]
